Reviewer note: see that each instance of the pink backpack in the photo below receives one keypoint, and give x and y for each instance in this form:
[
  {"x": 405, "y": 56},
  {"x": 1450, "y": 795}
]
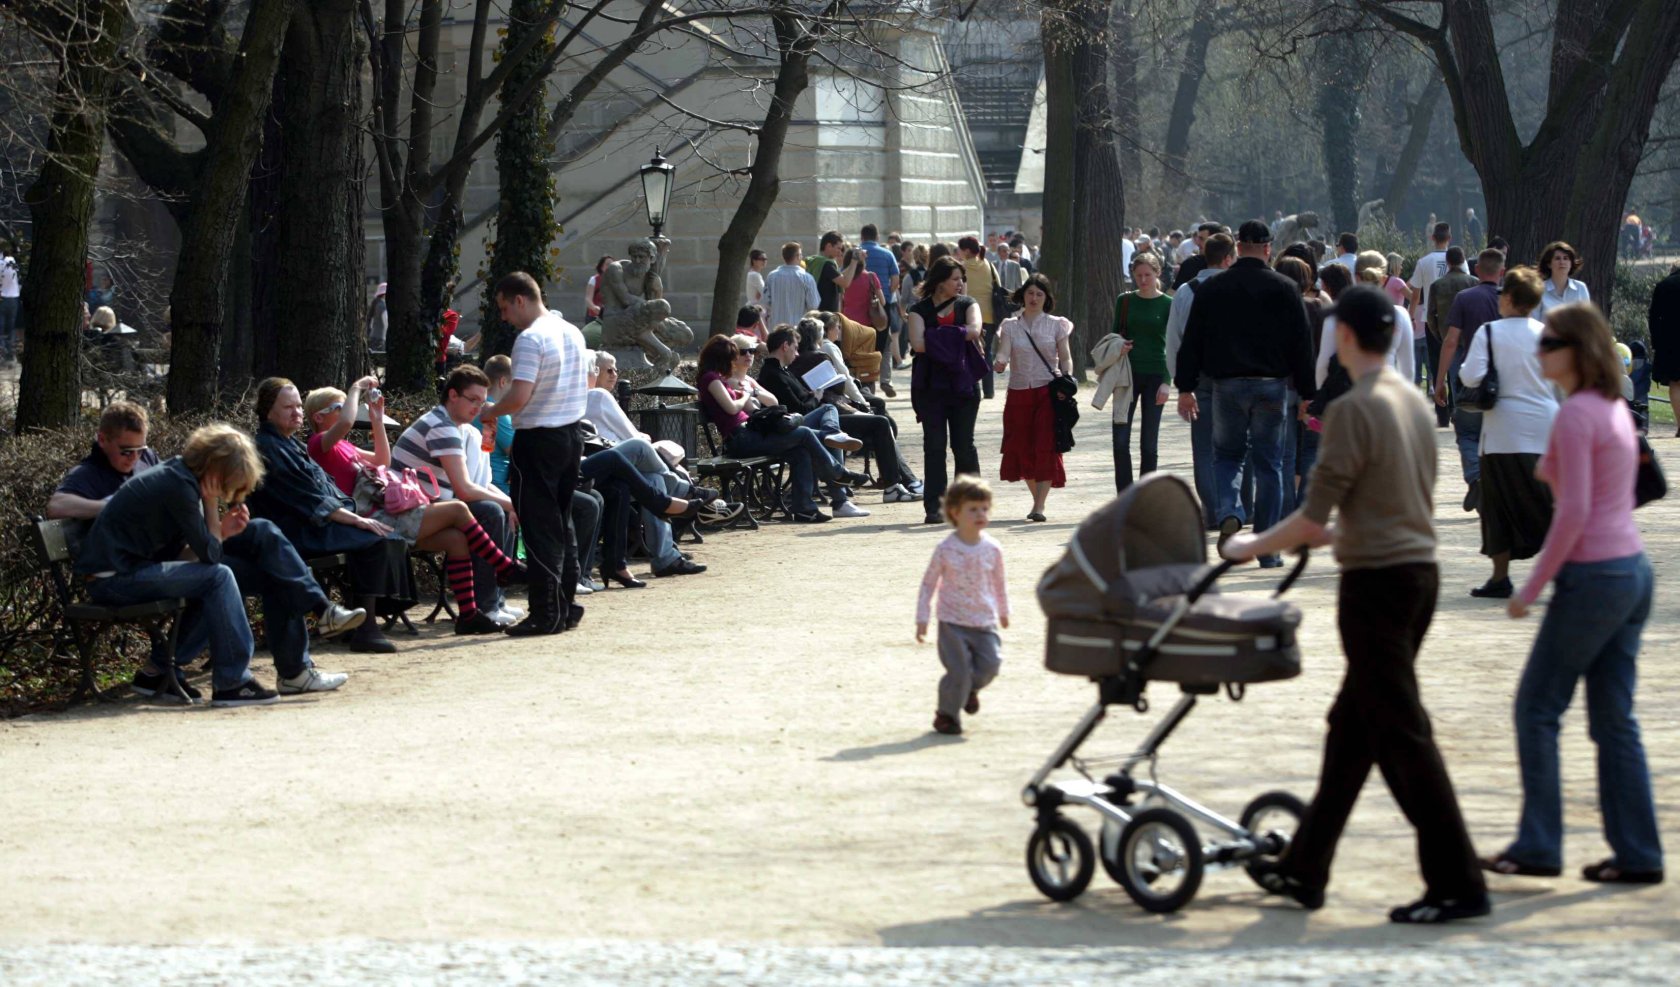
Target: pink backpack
[{"x": 402, "y": 491}]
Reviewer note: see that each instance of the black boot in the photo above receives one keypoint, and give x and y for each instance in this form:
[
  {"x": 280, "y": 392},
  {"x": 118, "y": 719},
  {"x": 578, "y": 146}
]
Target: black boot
[
  {"x": 546, "y": 616},
  {"x": 369, "y": 638}
]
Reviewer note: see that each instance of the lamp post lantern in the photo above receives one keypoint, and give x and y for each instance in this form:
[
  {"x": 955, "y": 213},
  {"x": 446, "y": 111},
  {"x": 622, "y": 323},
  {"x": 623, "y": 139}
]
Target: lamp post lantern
[{"x": 658, "y": 176}]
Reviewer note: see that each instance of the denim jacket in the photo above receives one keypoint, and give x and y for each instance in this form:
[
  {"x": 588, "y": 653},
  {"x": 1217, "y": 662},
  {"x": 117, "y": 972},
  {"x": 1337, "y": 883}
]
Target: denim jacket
[{"x": 295, "y": 489}]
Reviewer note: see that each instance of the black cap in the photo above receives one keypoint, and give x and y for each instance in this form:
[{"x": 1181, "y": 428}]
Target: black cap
[
  {"x": 1364, "y": 307},
  {"x": 1254, "y": 231}
]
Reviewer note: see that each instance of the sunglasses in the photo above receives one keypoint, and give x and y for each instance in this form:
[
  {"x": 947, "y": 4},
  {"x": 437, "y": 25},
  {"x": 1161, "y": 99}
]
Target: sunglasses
[
  {"x": 1551, "y": 344},
  {"x": 129, "y": 452}
]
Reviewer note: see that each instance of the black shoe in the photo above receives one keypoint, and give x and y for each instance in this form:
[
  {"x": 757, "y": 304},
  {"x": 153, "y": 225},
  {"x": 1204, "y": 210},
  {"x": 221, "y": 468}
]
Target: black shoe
[
  {"x": 1227, "y": 527},
  {"x": 1268, "y": 875},
  {"x": 575, "y": 616},
  {"x": 623, "y": 579},
  {"x": 247, "y": 694},
  {"x": 933, "y": 519},
  {"x": 1473, "y": 496},
  {"x": 535, "y": 624},
  {"x": 851, "y": 478},
  {"x": 1434, "y": 911},
  {"x": 973, "y": 705},
  {"x": 704, "y": 494},
  {"x": 514, "y": 575},
  {"x": 167, "y": 688},
  {"x": 947, "y": 725},
  {"x": 478, "y": 623},
  {"x": 1493, "y": 589},
  {"x": 375, "y": 643},
  {"x": 811, "y": 517},
  {"x": 682, "y": 567}
]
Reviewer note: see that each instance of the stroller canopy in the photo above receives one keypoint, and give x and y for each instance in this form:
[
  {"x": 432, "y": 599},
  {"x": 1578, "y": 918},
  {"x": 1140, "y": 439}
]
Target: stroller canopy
[{"x": 1120, "y": 550}]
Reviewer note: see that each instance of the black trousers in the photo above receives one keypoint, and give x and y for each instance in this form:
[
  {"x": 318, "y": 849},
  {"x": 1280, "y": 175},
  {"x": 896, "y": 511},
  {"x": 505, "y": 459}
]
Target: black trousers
[
  {"x": 543, "y": 472},
  {"x": 944, "y": 416},
  {"x": 877, "y": 432},
  {"x": 1379, "y": 719}
]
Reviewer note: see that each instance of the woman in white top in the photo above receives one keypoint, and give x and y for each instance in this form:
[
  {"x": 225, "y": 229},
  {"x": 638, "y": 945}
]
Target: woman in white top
[
  {"x": 1038, "y": 342},
  {"x": 1372, "y": 269},
  {"x": 1557, "y": 262},
  {"x": 1516, "y": 508}
]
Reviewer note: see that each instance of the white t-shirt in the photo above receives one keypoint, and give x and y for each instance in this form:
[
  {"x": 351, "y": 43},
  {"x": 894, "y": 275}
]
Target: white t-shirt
[
  {"x": 478, "y": 461},
  {"x": 1401, "y": 355},
  {"x": 1350, "y": 261},
  {"x": 9, "y": 284},
  {"x": 1429, "y": 267},
  {"x": 1521, "y": 420},
  {"x": 1187, "y": 250},
  {"x": 755, "y": 289},
  {"x": 549, "y": 355},
  {"x": 1127, "y": 250}
]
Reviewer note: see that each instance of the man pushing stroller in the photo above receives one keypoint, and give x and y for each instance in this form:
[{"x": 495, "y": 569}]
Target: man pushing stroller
[{"x": 1376, "y": 468}]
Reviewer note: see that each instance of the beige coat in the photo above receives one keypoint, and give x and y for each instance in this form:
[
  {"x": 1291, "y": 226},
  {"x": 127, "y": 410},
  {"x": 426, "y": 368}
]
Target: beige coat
[{"x": 1115, "y": 381}]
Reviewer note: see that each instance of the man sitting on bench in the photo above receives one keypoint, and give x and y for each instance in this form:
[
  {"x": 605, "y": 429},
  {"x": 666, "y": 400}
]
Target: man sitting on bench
[{"x": 263, "y": 561}]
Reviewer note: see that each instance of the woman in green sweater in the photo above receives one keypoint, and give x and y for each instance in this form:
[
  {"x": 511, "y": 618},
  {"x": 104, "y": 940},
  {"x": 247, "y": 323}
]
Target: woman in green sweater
[{"x": 1140, "y": 317}]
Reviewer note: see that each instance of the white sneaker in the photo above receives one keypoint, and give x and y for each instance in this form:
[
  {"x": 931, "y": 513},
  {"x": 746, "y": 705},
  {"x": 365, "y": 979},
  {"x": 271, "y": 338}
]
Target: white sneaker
[
  {"x": 312, "y": 680},
  {"x": 849, "y": 509},
  {"x": 840, "y": 440},
  {"x": 584, "y": 589},
  {"x": 502, "y": 617},
  {"x": 897, "y": 494},
  {"x": 512, "y": 611},
  {"x": 336, "y": 619}
]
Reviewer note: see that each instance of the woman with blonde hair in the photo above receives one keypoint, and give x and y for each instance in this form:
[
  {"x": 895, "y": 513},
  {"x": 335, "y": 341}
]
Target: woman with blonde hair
[
  {"x": 1601, "y": 598},
  {"x": 132, "y": 555},
  {"x": 1515, "y": 507}
]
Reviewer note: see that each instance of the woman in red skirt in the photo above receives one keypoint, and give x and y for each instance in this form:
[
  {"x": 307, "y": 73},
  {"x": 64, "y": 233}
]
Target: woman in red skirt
[{"x": 1038, "y": 343}]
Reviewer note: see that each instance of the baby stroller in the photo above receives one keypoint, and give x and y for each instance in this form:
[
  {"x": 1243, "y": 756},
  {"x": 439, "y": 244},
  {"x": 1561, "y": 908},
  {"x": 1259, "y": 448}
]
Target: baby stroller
[{"x": 1133, "y": 601}]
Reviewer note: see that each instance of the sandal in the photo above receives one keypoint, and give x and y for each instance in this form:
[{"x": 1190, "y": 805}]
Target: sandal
[
  {"x": 1606, "y": 872},
  {"x": 1502, "y": 864},
  {"x": 1434, "y": 911}
]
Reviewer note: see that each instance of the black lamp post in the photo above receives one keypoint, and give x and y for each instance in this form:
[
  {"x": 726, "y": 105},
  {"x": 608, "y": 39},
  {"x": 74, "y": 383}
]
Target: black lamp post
[{"x": 658, "y": 176}]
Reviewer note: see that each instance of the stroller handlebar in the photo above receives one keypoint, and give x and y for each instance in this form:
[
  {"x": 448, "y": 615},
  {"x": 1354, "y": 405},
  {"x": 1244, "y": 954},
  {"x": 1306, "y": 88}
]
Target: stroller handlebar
[
  {"x": 1224, "y": 566},
  {"x": 1295, "y": 571}
]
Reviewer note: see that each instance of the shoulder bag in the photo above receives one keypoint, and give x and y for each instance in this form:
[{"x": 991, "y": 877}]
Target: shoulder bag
[
  {"x": 774, "y": 420},
  {"x": 1062, "y": 391},
  {"x": 1002, "y": 305},
  {"x": 1481, "y": 397},
  {"x": 877, "y": 304},
  {"x": 1648, "y": 483}
]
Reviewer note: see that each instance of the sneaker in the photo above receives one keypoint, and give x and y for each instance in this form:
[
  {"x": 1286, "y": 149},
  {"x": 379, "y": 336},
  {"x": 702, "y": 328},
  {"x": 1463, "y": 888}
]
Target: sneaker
[
  {"x": 512, "y": 611},
  {"x": 595, "y": 585},
  {"x": 336, "y": 619},
  {"x": 714, "y": 514},
  {"x": 811, "y": 517},
  {"x": 154, "y": 685},
  {"x": 707, "y": 494},
  {"x": 584, "y": 589},
  {"x": 947, "y": 725},
  {"x": 249, "y": 693},
  {"x": 897, "y": 494},
  {"x": 915, "y": 487},
  {"x": 849, "y": 509},
  {"x": 1271, "y": 562},
  {"x": 311, "y": 680},
  {"x": 842, "y": 441},
  {"x": 1434, "y": 911},
  {"x": 502, "y": 618},
  {"x": 478, "y": 623},
  {"x": 852, "y": 479},
  {"x": 185, "y": 688}
]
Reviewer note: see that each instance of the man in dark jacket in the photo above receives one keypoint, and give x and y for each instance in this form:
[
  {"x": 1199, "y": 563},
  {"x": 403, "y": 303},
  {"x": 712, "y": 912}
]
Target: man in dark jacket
[
  {"x": 1664, "y": 316},
  {"x": 875, "y": 431},
  {"x": 793, "y": 393},
  {"x": 1249, "y": 333}
]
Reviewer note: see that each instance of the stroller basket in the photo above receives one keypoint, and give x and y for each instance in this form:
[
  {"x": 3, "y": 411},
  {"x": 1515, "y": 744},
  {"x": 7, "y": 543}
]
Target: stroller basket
[{"x": 1129, "y": 571}]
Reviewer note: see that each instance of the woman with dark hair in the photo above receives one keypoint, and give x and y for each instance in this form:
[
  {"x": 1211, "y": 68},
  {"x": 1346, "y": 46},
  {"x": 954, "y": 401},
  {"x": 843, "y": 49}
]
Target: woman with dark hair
[
  {"x": 592, "y": 296},
  {"x": 945, "y": 331},
  {"x": 1558, "y": 264},
  {"x": 1601, "y": 598},
  {"x": 728, "y": 407},
  {"x": 1029, "y": 421},
  {"x": 860, "y": 291},
  {"x": 1515, "y": 507},
  {"x": 319, "y": 519}
]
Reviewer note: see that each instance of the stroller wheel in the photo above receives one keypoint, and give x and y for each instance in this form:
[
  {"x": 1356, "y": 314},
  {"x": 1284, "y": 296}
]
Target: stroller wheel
[
  {"x": 1273, "y": 818},
  {"x": 1060, "y": 859},
  {"x": 1160, "y": 863}
]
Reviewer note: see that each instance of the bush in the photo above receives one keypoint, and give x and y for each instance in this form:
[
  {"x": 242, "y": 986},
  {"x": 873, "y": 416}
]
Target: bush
[{"x": 1630, "y": 301}]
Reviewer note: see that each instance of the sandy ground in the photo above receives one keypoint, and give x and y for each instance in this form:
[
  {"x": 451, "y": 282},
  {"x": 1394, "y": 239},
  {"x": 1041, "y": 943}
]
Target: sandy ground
[{"x": 744, "y": 757}]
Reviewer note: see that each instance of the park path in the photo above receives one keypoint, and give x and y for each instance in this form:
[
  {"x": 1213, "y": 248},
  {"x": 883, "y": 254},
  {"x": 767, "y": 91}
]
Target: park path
[{"x": 743, "y": 758}]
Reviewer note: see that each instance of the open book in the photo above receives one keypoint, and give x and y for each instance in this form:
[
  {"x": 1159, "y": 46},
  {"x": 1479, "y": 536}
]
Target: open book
[{"x": 822, "y": 376}]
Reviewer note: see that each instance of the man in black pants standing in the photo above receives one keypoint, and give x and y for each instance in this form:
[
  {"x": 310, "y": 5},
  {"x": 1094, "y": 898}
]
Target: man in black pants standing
[
  {"x": 1376, "y": 468},
  {"x": 547, "y": 400}
]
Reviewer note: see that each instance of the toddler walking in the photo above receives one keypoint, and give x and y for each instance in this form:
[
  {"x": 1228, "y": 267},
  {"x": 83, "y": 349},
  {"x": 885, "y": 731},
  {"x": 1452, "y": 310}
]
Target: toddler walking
[{"x": 967, "y": 572}]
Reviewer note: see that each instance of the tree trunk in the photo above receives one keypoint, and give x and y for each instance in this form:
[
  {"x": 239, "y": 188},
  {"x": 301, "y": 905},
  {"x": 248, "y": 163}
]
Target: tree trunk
[
  {"x": 1061, "y": 192},
  {"x": 61, "y": 207},
  {"x": 1101, "y": 212},
  {"x": 262, "y": 206},
  {"x": 525, "y": 225},
  {"x": 794, "y": 44},
  {"x": 1346, "y": 66},
  {"x": 404, "y": 174},
  {"x": 318, "y": 223},
  {"x": 1175, "y": 180},
  {"x": 1417, "y": 141},
  {"x": 198, "y": 300},
  {"x": 238, "y": 354},
  {"x": 1124, "y": 97}
]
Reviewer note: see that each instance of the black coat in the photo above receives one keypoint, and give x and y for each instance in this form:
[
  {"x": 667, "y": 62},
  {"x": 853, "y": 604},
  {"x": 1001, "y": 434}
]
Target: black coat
[
  {"x": 1249, "y": 322},
  {"x": 1664, "y": 321}
]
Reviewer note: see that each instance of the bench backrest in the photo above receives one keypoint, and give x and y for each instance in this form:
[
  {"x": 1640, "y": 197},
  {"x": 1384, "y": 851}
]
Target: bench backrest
[{"x": 55, "y": 543}]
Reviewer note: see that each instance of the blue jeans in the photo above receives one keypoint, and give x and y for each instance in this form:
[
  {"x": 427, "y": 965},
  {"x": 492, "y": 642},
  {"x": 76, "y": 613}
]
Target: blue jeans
[
  {"x": 1201, "y": 451},
  {"x": 807, "y": 458},
  {"x": 1306, "y": 456},
  {"x": 8, "y": 326},
  {"x": 1420, "y": 357},
  {"x": 1291, "y": 430},
  {"x": 1248, "y": 416},
  {"x": 1149, "y": 434},
  {"x": 214, "y": 618},
  {"x": 1591, "y": 630},
  {"x": 266, "y": 565},
  {"x": 1467, "y": 428},
  {"x": 493, "y": 520}
]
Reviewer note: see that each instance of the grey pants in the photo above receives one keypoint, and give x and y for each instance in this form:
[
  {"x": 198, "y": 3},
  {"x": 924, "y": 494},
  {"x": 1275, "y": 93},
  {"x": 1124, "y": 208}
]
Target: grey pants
[{"x": 971, "y": 656}]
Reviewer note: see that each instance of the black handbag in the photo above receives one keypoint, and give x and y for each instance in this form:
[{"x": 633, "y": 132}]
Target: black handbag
[
  {"x": 1003, "y": 306},
  {"x": 1481, "y": 397},
  {"x": 1648, "y": 482},
  {"x": 774, "y": 420},
  {"x": 1062, "y": 404}
]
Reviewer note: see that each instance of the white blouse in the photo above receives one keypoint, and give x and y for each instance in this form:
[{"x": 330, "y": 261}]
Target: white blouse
[
  {"x": 1026, "y": 370},
  {"x": 1551, "y": 298},
  {"x": 1521, "y": 419}
]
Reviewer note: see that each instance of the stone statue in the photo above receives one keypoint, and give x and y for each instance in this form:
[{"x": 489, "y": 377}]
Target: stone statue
[
  {"x": 1373, "y": 216},
  {"x": 634, "y": 312},
  {"x": 1294, "y": 229}
]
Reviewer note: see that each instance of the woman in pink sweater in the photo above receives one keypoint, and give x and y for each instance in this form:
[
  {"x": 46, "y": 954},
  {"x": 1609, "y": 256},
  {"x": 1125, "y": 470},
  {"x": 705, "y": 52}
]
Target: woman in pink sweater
[{"x": 1601, "y": 598}]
